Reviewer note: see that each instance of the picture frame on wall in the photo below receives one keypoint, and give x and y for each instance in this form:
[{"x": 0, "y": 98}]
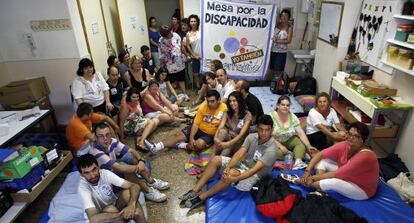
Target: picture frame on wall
[{"x": 330, "y": 22}]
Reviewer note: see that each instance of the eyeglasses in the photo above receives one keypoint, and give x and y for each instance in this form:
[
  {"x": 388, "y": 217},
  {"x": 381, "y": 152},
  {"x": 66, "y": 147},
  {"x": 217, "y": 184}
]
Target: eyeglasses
[
  {"x": 107, "y": 136},
  {"x": 353, "y": 135}
]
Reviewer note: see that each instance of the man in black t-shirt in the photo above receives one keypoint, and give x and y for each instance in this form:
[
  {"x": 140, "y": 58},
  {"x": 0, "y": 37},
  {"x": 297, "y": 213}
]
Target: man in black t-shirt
[
  {"x": 253, "y": 104},
  {"x": 147, "y": 61}
]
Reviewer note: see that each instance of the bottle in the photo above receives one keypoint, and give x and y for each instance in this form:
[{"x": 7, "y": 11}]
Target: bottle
[{"x": 289, "y": 160}]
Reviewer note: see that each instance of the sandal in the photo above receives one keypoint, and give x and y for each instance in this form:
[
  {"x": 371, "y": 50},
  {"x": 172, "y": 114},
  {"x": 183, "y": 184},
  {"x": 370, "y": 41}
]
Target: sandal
[
  {"x": 141, "y": 149},
  {"x": 293, "y": 178}
]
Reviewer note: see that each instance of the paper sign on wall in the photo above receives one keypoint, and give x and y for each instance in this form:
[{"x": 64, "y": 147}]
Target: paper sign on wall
[
  {"x": 133, "y": 21},
  {"x": 95, "y": 28}
]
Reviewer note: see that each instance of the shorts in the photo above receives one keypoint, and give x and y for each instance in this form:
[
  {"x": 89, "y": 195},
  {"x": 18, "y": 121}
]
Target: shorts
[
  {"x": 195, "y": 66},
  {"x": 179, "y": 76},
  {"x": 152, "y": 115},
  {"x": 127, "y": 158},
  {"x": 208, "y": 139},
  {"x": 135, "y": 126},
  {"x": 243, "y": 185},
  {"x": 278, "y": 61}
]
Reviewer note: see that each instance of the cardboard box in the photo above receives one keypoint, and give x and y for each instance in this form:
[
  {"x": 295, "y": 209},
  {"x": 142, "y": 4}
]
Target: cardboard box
[
  {"x": 36, "y": 190},
  {"x": 43, "y": 103},
  {"x": 385, "y": 132},
  {"x": 24, "y": 91}
]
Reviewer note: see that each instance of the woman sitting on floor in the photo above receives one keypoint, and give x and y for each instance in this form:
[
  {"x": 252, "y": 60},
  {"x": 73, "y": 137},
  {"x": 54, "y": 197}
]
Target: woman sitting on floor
[
  {"x": 288, "y": 133},
  {"x": 156, "y": 105},
  {"x": 349, "y": 167},
  {"x": 133, "y": 122},
  {"x": 89, "y": 86},
  {"x": 165, "y": 86},
  {"x": 233, "y": 127},
  {"x": 323, "y": 124},
  {"x": 137, "y": 76}
]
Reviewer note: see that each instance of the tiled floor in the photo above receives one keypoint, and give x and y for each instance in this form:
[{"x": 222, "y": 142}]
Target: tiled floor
[{"x": 167, "y": 165}]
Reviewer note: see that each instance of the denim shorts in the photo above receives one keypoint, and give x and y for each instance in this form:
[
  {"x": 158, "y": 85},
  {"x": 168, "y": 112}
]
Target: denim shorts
[{"x": 195, "y": 65}]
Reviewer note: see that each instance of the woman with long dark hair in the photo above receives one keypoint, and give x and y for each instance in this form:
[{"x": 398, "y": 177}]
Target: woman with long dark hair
[{"x": 233, "y": 127}]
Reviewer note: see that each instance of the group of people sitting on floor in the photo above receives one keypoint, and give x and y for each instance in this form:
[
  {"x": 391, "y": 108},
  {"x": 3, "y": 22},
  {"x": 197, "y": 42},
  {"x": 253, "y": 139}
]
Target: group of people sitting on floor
[{"x": 134, "y": 101}]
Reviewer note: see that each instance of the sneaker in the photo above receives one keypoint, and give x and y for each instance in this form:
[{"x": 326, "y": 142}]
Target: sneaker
[
  {"x": 194, "y": 203},
  {"x": 189, "y": 195},
  {"x": 153, "y": 148},
  {"x": 180, "y": 145},
  {"x": 160, "y": 185},
  {"x": 307, "y": 157},
  {"x": 299, "y": 164},
  {"x": 186, "y": 98},
  {"x": 155, "y": 195}
]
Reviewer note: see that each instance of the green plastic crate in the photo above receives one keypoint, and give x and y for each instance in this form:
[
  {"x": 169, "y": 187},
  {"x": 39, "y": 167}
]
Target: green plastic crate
[
  {"x": 401, "y": 36},
  {"x": 21, "y": 165}
]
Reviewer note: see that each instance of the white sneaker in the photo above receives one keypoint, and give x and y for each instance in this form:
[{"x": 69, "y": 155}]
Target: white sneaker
[
  {"x": 186, "y": 98},
  {"x": 160, "y": 185},
  {"x": 155, "y": 195},
  {"x": 299, "y": 164},
  {"x": 153, "y": 147}
]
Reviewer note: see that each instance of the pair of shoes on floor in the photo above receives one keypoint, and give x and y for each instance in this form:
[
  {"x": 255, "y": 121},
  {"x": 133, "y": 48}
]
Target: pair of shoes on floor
[
  {"x": 152, "y": 147},
  {"x": 155, "y": 195},
  {"x": 299, "y": 164},
  {"x": 189, "y": 195},
  {"x": 184, "y": 97},
  {"x": 160, "y": 184}
]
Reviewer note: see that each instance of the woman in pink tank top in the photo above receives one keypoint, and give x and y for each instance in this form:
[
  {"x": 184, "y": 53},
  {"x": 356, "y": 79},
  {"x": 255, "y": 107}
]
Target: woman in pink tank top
[{"x": 156, "y": 105}]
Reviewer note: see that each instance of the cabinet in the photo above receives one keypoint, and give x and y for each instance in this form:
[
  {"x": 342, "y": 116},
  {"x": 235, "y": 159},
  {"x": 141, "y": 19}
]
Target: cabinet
[{"x": 397, "y": 116}]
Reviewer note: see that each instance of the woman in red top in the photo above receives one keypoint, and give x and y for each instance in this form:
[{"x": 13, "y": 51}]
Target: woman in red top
[{"x": 349, "y": 167}]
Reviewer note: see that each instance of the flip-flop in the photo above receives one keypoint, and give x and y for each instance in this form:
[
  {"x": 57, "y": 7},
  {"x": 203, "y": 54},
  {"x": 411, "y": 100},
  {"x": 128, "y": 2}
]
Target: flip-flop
[
  {"x": 141, "y": 149},
  {"x": 290, "y": 178}
]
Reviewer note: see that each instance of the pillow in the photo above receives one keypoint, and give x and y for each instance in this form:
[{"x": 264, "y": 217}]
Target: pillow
[
  {"x": 303, "y": 122},
  {"x": 307, "y": 101}
]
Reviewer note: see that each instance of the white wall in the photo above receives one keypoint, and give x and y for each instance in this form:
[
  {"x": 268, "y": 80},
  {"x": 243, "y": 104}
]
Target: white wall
[
  {"x": 136, "y": 36},
  {"x": 111, "y": 17},
  {"x": 162, "y": 9},
  {"x": 56, "y": 57},
  {"x": 15, "y": 20}
]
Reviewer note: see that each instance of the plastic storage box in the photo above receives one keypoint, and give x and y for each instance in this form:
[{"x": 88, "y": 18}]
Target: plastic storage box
[
  {"x": 27, "y": 182},
  {"x": 21, "y": 165}
]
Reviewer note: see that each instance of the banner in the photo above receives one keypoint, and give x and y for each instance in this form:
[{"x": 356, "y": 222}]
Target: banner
[{"x": 239, "y": 35}]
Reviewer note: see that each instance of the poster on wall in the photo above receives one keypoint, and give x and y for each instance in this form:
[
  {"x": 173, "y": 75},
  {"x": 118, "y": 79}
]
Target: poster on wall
[
  {"x": 373, "y": 29},
  {"x": 239, "y": 35}
]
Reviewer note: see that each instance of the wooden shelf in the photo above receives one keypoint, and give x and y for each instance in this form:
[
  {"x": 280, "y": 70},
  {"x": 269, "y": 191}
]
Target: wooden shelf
[
  {"x": 410, "y": 72},
  {"x": 406, "y": 17},
  {"x": 339, "y": 106},
  {"x": 36, "y": 190},
  {"x": 401, "y": 43}
]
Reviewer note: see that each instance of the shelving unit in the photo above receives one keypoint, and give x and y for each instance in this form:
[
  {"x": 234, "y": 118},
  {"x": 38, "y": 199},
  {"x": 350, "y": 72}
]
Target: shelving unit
[
  {"x": 397, "y": 116},
  {"x": 401, "y": 19},
  {"x": 406, "y": 17},
  {"x": 410, "y": 72},
  {"x": 401, "y": 43}
]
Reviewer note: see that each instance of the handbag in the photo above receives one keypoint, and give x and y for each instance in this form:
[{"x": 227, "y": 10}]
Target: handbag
[{"x": 403, "y": 184}]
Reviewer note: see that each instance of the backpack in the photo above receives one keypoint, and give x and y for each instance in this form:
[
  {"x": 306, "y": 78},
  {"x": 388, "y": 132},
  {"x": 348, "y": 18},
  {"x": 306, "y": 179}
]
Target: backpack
[
  {"x": 305, "y": 86},
  {"x": 280, "y": 84}
]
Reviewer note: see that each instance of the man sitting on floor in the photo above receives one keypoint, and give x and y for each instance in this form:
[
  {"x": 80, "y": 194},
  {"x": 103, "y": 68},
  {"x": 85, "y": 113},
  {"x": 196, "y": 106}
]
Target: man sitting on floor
[
  {"x": 225, "y": 86},
  {"x": 251, "y": 162},
  {"x": 253, "y": 104},
  {"x": 100, "y": 202},
  {"x": 114, "y": 155},
  {"x": 79, "y": 129},
  {"x": 201, "y": 133}
]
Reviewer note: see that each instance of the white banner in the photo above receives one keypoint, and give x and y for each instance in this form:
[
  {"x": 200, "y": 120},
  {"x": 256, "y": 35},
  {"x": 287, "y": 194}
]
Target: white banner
[{"x": 239, "y": 35}]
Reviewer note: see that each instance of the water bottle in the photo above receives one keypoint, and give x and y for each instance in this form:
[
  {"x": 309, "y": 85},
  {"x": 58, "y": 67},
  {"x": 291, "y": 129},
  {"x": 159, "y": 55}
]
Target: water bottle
[{"x": 289, "y": 160}]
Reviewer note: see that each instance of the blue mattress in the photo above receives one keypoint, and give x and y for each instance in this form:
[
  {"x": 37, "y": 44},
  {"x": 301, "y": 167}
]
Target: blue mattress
[{"x": 232, "y": 205}]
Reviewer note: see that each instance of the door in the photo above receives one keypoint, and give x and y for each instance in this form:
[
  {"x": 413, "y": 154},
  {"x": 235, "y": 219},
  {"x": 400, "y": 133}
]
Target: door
[
  {"x": 133, "y": 24},
  {"x": 95, "y": 33},
  {"x": 112, "y": 26}
]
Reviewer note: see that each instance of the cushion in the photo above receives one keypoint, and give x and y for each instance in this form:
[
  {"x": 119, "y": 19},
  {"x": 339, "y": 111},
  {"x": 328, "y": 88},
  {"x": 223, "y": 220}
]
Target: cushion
[{"x": 307, "y": 102}]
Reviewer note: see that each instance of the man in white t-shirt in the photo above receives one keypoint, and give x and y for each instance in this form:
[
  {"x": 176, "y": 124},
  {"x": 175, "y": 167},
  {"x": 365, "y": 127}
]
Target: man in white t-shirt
[
  {"x": 100, "y": 202},
  {"x": 225, "y": 86}
]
